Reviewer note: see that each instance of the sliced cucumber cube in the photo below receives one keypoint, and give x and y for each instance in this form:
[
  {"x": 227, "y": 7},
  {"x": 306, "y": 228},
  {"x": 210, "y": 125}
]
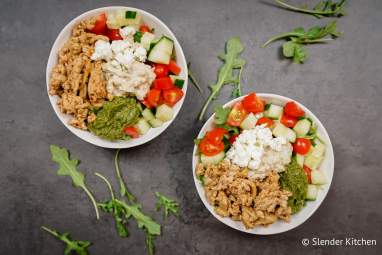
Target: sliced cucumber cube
[
  {"x": 147, "y": 114},
  {"x": 302, "y": 127},
  {"x": 155, "y": 123},
  {"x": 318, "y": 150},
  {"x": 249, "y": 122},
  {"x": 274, "y": 112},
  {"x": 142, "y": 126},
  {"x": 300, "y": 159},
  {"x": 312, "y": 161},
  {"x": 211, "y": 160},
  {"x": 318, "y": 177},
  {"x": 311, "y": 193},
  {"x": 164, "y": 113},
  {"x": 177, "y": 81},
  {"x": 146, "y": 40},
  {"x": 280, "y": 130},
  {"x": 161, "y": 51},
  {"x": 128, "y": 18}
]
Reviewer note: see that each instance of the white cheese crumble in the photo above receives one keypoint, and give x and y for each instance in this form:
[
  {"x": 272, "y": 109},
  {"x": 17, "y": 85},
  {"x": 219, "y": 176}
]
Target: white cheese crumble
[{"x": 257, "y": 150}]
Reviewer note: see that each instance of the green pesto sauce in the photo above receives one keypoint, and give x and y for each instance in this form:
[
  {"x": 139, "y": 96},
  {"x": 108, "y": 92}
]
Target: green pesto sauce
[
  {"x": 113, "y": 116},
  {"x": 295, "y": 180}
]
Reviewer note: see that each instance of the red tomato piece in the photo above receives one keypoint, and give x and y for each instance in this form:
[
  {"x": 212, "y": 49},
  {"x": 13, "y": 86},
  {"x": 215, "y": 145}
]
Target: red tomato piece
[
  {"x": 288, "y": 121},
  {"x": 237, "y": 115},
  {"x": 308, "y": 173},
  {"x": 144, "y": 28},
  {"x": 252, "y": 103},
  {"x": 265, "y": 120},
  {"x": 146, "y": 103},
  {"x": 292, "y": 109},
  {"x": 215, "y": 136},
  {"x": 232, "y": 139},
  {"x": 131, "y": 131},
  {"x": 172, "y": 96},
  {"x": 113, "y": 34},
  {"x": 209, "y": 149},
  {"x": 160, "y": 70},
  {"x": 173, "y": 67},
  {"x": 163, "y": 83},
  {"x": 99, "y": 25},
  {"x": 302, "y": 146},
  {"x": 153, "y": 97}
]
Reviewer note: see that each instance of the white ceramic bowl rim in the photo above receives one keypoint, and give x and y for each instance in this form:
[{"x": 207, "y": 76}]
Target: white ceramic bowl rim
[
  {"x": 311, "y": 206},
  {"x": 87, "y": 136}
]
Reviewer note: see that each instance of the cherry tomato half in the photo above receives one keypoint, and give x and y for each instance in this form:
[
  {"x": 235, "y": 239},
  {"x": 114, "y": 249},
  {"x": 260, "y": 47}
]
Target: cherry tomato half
[
  {"x": 292, "y": 109},
  {"x": 153, "y": 97},
  {"x": 288, "y": 121},
  {"x": 163, "y": 83},
  {"x": 146, "y": 103},
  {"x": 113, "y": 34},
  {"x": 144, "y": 28},
  {"x": 173, "y": 67},
  {"x": 160, "y": 70},
  {"x": 100, "y": 25},
  {"x": 215, "y": 136},
  {"x": 209, "y": 149},
  {"x": 131, "y": 131},
  {"x": 237, "y": 115},
  {"x": 172, "y": 96},
  {"x": 308, "y": 173},
  {"x": 265, "y": 120},
  {"x": 301, "y": 146},
  {"x": 252, "y": 103}
]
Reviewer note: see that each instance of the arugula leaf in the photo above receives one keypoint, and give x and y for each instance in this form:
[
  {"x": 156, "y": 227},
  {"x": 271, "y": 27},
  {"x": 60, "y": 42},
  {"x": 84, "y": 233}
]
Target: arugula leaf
[
  {"x": 150, "y": 243},
  {"x": 123, "y": 189},
  {"x": 221, "y": 114},
  {"x": 232, "y": 130},
  {"x": 325, "y": 8},
  {"x": 193, "y": 79},
  {"x": 80, "y": 247},
  {"x": 225, "y": 75},
  {"x": 201, "y": 179},
  {"x": 68, "y": 167},
  {"x": 168, "y": 204},
  {"x": 297, "y": 38}
]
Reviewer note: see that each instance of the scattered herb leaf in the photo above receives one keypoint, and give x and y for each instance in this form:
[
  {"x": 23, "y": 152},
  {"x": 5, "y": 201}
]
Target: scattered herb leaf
[
  {"x": 168, "y": 205},
  {"x": 325, "y": 8},
  {"x": 138, "y": 36},
  {"x": 193, "y": 79},
  {"x": 221, "y": 114},
  {"x": 123, "y": 189},
  {"x": 201, "y": 179}
]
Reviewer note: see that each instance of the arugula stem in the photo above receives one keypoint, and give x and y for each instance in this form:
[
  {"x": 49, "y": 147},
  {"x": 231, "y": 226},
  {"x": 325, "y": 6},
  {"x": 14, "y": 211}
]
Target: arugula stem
[
  {"x": 294, "y": 8},
  {"x": 93, "y": 201},
  {"x": 122, "y": 185},
  {"x": 317, "y": 41},
  {"x": 193, "y": 79},
  {"x": 212, "y": 95},
  {"x": 107, "y": 183},
  {"x": 281, "y": 36},
  {"x": 50, "y": 231}
]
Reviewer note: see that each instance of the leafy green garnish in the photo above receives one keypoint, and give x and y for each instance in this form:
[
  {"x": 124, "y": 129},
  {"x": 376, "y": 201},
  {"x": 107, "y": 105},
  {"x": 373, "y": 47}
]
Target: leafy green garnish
[
  {"x": 201, "y": 179},
  {"x": 123, "y": 189},
  {"x": 225, "y": 75},
  {"x": 130, "y": 14},
  {"x": 325, "y": 8},
  {"x": 168, "y": 205},
  {"x": 221, "y": 114},
  {"x": 231, "y": 129},
  {"x": 80, "y": 247},
  {"x": 68, "y": 167},
  {"x": 193, "y": 79},
  {"x": 138, "y": 36},
  {"x": 294, "y": 49}
]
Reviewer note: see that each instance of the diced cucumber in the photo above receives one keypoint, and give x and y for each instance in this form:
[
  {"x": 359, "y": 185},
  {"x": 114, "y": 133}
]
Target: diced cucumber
[
  {"x": 164, "y": 113},
  {"x": 112, "y": 22},
  {"x": 318, "y": 177},
  {"x": 300, "y": 159},
  {"x": 280, "y": 130},
  {"x": 211, "y": 160},
  {"x": 146, "y": 40},
  {"x": 177, "y": 81},
  {"x": 312, "y": 161},
  {"x": 161, "y": 51},
  {"x": 147, "y": 114},
  {"x": 249, "y": 122},
  {"x": 318, "y": 150},
  {"x": 311, "y": 193},
  {"x": 155, "y": 123},
  {"x": 128, "y": 18},
  {"x": 274, "y": 112},
  {"x": 142, "y": 126},
  {"x": 302, "y": 127}
]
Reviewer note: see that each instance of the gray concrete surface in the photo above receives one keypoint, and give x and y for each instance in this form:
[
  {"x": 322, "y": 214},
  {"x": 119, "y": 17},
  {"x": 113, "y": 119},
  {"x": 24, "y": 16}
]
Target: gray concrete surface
[{"x": 341, "y": 83}]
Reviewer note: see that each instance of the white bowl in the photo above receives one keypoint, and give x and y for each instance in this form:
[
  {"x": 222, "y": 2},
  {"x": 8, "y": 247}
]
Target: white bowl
[
  {"x": 297, "y": 219},
  {"x": 160, "y": 28}
]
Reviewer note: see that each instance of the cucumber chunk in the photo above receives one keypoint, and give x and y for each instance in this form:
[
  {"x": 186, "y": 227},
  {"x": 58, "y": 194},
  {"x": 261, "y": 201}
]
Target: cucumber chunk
[
  {"x": 147, "y": 114},
  {"x": 164, "y": 113},
  {"x": 161, "y": 51},
  {"x": 211, "y": 160},
  {"x": 318, "y": 177},
  {"x": 177, "y": 81},
  {"x": 318, "y": 150},
  {"x": 300, "y": 159},
  {"x": 249, "y": 122},
  {"x": 142, "y": 126},
  {"x": 280, "y": 130},
  {"x": 155, "y": 123},
  {"x": 274, "y": 112},
  {"x": 146, "y": 40},
  {"x": 312, "y": 161},
  {"x": 311, "y": 193},
  {"x": 302, "y": 127}
]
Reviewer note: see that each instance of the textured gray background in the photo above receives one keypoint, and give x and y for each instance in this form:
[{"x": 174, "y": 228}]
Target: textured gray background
[{"x": 340, "y": 83}]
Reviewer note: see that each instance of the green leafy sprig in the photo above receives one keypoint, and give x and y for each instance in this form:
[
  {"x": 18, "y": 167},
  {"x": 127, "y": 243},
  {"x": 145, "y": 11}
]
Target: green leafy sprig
[
  {"x": 297, "y": 38},
  {"x": 123, "y": 189},
  {"x": 192, "y": 78},
  {"x": 80, "y": 247},
  {"x": 168, "y": 205}
]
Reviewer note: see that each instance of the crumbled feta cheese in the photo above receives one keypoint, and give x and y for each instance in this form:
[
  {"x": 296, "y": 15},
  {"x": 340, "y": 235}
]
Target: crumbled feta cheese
[
  {"x": 259, "y": 151},
  {"x": 102, "y": 50},
  {"x": 127, "y": 32},
  {"x": 140, "y": 53}
]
